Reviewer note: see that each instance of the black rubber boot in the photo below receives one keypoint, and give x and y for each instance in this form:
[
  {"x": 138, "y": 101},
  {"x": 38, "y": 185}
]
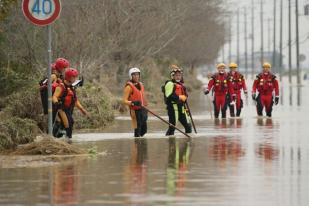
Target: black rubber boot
[{"x": 238, "y": 112}]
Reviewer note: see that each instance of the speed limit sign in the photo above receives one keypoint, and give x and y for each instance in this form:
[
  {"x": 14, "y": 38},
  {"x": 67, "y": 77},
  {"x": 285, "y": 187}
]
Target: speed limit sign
[{"x": 41, "y": 12}]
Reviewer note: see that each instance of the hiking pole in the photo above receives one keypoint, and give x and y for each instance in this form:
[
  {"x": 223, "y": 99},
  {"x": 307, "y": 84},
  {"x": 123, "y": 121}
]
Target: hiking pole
[
  {"x": 210, "y": 107},
  {"x": 189, "y": 111},
  {"x": 163, "y": 120}
]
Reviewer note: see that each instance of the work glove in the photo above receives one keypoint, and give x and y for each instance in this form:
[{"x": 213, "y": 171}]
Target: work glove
[
  {"x": 232, "y": 99},
  {"x": 206, "y": 92},
  {"x": 254, "y": 97},
  {"x": 276, "y": 100},
  {"x": 183, "y": 98},
  {"x": 246, "y": 94},
  {"x": 136, "y": 103}
]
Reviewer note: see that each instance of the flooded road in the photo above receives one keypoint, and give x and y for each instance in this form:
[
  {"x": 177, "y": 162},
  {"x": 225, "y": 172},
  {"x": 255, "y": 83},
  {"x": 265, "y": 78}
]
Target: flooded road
[{"x": 246, "y": 161}]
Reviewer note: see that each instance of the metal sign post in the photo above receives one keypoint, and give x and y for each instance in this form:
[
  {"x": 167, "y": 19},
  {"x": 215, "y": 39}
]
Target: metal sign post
[
  {"x": 50, "y": 111},
  {"x": 42, "y": 13}
]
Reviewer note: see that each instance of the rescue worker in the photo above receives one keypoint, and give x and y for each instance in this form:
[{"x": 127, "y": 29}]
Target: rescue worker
[
  {"x": 56, "y": 78},
  {"x": 265, "y": 83},
  {"x": 64, "y": 100},
  {"x": 134, "y": 97},
  {"x": 238, "y": 83},
  {"x": 175, "y": 96},
  {"x": 221, "y": 88}
]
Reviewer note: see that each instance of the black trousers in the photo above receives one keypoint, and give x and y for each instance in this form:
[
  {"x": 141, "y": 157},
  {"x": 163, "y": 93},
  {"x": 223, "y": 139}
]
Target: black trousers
[
  {"x": 141, "y": 120},
  {"x": 58, "y": 126},
  {"x": 176, "y": 113}
]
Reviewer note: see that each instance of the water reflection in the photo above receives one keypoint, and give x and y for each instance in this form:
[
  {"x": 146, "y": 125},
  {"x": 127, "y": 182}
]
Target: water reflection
[
  {"x": 221, "y": 148},
  {"x": 179, "y": 152},
  {"x": 268, "y": 122},
  {"x": 65, "y": 185},
  {"x": 136, "y": 171},
  {"x": 267, "y": 151},
  {"x": 228, "y": 123}
]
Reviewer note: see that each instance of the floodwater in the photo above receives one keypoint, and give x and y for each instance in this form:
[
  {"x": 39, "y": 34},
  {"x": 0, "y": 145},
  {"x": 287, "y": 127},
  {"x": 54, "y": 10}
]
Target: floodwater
[{"x": 246, "y": 161}]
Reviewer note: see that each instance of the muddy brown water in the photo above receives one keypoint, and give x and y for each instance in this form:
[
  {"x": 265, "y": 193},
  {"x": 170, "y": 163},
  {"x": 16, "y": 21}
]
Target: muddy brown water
[{"x": 247, "y": 161}]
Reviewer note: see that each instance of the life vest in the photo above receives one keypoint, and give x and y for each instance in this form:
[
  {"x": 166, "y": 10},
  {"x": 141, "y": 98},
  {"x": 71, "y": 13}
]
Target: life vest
[
  {"x": 265, "y": 83},
  {"x": 236, "y": 80},
  {"x": 179, "y": 89},
  {"x": 68, "y": 96},
  {"x": 220, "y": 83},
  {"x": 137, "y": 95}
]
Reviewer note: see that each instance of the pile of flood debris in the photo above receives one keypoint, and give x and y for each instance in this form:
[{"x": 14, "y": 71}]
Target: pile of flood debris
[{"x": 47, "y": 146}]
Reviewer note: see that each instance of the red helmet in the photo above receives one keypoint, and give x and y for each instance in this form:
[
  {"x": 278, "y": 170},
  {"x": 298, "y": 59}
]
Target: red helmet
[
  {"x": 69, "y": 73},
  {"x": 61, "y": 63},
  {"x": 53, "y": 66}
]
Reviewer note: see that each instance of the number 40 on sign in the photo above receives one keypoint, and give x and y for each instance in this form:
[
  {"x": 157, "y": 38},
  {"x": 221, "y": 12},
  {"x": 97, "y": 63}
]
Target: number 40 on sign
[{"x": 41, "y": 12}]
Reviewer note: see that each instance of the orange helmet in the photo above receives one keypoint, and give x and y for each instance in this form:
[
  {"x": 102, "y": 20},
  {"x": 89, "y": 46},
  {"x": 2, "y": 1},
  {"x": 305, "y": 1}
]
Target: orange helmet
[
  {"x": 266, "y": 65},
  {"x": 220, "y": 65},
  {"x": 233, "y": 65}
]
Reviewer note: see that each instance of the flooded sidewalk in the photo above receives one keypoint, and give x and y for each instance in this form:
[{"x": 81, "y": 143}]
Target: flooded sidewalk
[{"x": 242, "y": 161}]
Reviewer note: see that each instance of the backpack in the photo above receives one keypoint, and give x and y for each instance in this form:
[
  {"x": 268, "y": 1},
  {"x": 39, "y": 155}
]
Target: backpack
[
  {"x": 44, "y": 94},
  {"x": 163, "y": 90}
]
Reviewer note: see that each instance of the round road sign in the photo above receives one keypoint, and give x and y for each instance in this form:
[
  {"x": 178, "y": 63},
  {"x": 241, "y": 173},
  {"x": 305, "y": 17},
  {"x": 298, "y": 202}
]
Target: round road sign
[{"x": 41, "y": 12}]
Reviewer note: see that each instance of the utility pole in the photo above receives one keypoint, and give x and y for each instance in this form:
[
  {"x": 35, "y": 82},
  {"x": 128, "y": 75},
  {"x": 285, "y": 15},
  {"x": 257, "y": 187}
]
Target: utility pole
[
  {"x": 246, "y": 44},
  {"x": 230, "y": 40},
  {"x": 223, "y": 57},
  {"x": 297, "y": 43},
  {"x": 262, "y": 33},
  {"x": 274, "y": 48},
  {"x": 268, "y": 36},
  {"x": 290, "y": 47},
  {"x": 252, "y": 39},
  {"x": 281, "y": 30},
  {"x": 238, "y": 36}
]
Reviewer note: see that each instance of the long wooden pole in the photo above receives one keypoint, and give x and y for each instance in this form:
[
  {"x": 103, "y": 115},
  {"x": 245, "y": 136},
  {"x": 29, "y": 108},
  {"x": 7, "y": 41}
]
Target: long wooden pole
[{"x": 163, "y": 120}]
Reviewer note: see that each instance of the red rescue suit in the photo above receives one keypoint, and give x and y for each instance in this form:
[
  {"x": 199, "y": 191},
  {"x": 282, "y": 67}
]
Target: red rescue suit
[
  {"x": 221, "y": 87},
  {"x": 238, "y": 83},
  {"x": 265, "y": 83}
]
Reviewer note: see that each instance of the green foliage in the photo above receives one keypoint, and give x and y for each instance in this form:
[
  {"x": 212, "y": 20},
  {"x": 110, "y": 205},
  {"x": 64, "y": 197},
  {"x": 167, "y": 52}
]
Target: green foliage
[
  {"x": 97, "y": 101},
  {"x": 15, "y": 131},
  {"x": 5, "y": 6},
  {"x": 93, "y": 150},
  {"x": 14, "y": 77},
  {"x": 26, "y": 104}
]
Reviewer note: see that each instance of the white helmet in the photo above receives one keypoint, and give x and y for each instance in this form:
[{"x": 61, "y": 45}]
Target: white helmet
[{"x": 133, "y": 70}]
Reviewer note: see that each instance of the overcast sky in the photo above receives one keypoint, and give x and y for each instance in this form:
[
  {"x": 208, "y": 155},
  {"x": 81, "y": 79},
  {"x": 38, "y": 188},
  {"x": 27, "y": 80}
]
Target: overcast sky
[{"x": 268, "y": 14}]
